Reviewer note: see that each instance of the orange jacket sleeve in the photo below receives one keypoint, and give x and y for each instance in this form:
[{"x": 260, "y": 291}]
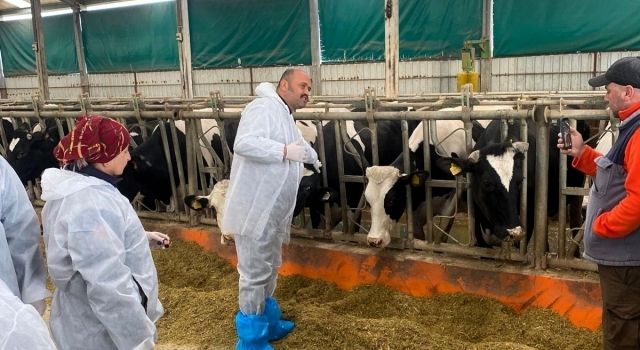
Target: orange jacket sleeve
[
  {"x": 585, "y": 162},
  {"x": 624, "y": 218}
]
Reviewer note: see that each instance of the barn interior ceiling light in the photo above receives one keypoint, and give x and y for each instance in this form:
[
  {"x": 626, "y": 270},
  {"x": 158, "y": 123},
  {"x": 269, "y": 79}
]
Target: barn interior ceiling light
[
  {"x": 117, "y": 4},
  {"x": 19, "y": 3},
  {"x": 7, "y": 18}
]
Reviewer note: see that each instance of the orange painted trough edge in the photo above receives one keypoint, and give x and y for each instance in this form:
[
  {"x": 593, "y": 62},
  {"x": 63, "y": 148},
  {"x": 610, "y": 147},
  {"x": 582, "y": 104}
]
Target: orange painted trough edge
[{"x": 576, "y": 299}]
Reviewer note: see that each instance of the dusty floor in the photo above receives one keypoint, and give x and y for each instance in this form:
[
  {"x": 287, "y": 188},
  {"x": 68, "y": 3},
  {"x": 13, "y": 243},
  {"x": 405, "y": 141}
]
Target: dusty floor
[{"x": 199, "y": 292}]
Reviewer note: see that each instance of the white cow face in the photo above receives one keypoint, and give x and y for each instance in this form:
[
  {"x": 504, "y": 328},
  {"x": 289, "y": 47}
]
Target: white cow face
[{"x": 380, "y": 180}]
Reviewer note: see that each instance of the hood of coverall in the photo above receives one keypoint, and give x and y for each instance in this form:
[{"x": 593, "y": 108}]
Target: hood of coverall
[
  {"x": 58, "y": 183},
  {"x": 266, "y": 90}
]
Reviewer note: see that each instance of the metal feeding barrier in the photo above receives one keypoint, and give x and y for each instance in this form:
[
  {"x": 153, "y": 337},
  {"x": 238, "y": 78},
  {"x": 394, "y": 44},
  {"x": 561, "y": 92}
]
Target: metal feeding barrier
[{"x": 542, "y": 108}]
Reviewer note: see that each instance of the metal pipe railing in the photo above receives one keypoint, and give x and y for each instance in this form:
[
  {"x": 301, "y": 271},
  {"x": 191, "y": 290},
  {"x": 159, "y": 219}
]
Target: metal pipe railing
[{"x": 178, "y": 109}]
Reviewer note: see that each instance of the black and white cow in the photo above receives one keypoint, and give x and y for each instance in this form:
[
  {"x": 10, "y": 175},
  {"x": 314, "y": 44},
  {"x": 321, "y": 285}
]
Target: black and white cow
[
  {"x": 497, "y": 169},
  {"x": 386, "y": 190},
  {"x": 7, "y": 129},
  {"x": 312, "y": 194},
  {"x": 30, "y": 150}
]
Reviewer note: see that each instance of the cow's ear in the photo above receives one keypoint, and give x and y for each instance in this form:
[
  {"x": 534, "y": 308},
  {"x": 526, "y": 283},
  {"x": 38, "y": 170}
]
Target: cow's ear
[
  {"x": 415, "y": 179},
  {"x": 454, "y": 165},
  {"x": 328, "y": 195}
]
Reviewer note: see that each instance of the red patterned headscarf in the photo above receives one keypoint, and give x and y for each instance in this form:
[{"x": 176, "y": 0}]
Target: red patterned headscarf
[{"x": 96, "y": 139}]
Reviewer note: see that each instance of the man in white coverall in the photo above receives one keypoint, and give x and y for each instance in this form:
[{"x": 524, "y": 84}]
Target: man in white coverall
[
  {"x": 266, "y": 170},
  {"x": 21, "y": 263},
  {"x": 21, "y": 327}
]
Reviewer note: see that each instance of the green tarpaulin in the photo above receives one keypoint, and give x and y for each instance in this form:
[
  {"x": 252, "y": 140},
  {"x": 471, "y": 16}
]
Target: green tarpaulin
[
  {"x": 229, "y": 33},
  {"x": 552, "y": 26},
  {"x": 438, "y": 28},
  {"x": 18, "y": 57},
  {"x": 131, "y": 39},
  {"x": 353, "y": 30}
]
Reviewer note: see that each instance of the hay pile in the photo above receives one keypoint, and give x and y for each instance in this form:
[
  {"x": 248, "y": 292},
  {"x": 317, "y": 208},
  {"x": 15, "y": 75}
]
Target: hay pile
[{"x": 199, "y": 292}]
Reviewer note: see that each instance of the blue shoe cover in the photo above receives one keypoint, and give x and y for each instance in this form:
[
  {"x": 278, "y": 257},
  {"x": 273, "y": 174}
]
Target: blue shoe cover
[
  {"x": 278, "y": 328},
  {"x": 252, "y": 332}
]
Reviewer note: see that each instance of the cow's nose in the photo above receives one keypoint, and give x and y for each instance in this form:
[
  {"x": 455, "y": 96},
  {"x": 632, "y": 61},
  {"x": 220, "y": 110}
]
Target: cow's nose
[
  {"x": 374, "y": 242},
  {"x": 515, "y": 232}
]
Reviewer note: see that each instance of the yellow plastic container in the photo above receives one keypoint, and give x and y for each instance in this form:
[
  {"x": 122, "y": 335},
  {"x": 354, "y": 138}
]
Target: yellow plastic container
[
  {"x": 461, "y": 80},
  {"x": 472, "y": 78}
]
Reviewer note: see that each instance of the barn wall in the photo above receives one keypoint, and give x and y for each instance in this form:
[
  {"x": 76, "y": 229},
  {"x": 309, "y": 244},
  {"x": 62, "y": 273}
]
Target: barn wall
[{"x": 532, "y": 73}]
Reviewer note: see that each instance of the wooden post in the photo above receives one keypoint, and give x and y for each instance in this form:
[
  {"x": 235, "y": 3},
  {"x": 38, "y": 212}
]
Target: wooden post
[
  {"x": 38, "y": 47},
  {"x": 82, "y": 66},
  {"x": 487, "y": 32},
  {"x": 391, "y": 48},
  {"x": 316, "y": 68},
  {"x": 183, "y": 36}
]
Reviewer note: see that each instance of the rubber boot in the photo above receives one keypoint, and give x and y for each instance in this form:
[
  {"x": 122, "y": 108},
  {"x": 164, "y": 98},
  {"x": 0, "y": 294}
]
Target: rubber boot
[
  {"x": 278, "y": 328},
  {"x": 253, "y": 331}
]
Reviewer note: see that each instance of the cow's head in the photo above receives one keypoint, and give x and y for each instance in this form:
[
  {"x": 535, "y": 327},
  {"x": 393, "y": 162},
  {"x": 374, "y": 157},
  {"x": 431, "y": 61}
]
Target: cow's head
[
  {"x": 387, "y": 197},
  {"x": 312, "y": 194},
  {"x": 496, "y": 182},
  {"x": 30, "y": 151},
  {"x": 214, "y": 200}
]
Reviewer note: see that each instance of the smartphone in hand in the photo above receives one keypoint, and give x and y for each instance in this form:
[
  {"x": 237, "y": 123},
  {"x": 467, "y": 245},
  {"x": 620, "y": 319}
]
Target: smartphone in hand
[{"x": 565, "y": 132}]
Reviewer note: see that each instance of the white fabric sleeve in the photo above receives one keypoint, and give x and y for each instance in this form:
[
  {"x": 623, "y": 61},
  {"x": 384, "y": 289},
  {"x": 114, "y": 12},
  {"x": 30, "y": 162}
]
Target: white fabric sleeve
[
  {"x": 20, "y": 325},
  {"x": 311, "y": 155},
  {"x": 22, "y": 230},
  {"x": 252, "y": 139},
  {"x": 99, "y": 256}
]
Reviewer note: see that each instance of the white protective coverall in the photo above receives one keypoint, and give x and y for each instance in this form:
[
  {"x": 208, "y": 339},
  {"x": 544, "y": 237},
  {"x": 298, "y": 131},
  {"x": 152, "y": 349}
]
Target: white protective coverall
[
  {"x": 21, "y": 326},
  {"x": 21, "y": 264},
  {"x": 99, "y": 259},
  {"x": 262, "y": 194}
]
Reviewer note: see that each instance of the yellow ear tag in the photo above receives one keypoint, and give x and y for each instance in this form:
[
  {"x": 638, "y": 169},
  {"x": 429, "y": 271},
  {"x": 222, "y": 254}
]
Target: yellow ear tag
[
  {"x": 415, "y": 180},
  {"x": 455, "y": 169}
]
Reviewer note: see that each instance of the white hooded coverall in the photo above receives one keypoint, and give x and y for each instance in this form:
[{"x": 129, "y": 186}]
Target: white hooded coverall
[
  {"x": 99, "y": 259},
  {"x": 262, "y": 194},
  {"x": 21, "y": 263},
  {"x": 21, "y": 326}
]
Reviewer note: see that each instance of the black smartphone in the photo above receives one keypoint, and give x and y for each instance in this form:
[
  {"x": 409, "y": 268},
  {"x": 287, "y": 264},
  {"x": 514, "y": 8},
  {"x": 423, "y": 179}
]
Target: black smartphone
[{"x": 565, "y": 132}]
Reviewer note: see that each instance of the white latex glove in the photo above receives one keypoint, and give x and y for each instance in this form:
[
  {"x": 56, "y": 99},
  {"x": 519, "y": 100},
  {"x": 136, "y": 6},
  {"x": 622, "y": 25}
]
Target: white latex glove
[
  {"x": 296, "y": 151},
  {"x": 317, "y": 165},
  {"x": 158, "y": 240},
  {"x": 40, "y": 306}
]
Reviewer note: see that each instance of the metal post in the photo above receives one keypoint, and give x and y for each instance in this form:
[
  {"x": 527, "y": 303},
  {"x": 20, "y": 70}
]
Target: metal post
[
  {"x": 391, "y": 48},
  {"x": 183, "y": 36},
  {"x": 316, "y": 59},
  {"x": 542, "y": 186},
  {"x": 82, "y": 66},
  {"x": 3, "y": 84},
  {"x": 343, "y": 189},
  {"x": 487, "y": 32},
  {"x": 38, "y": 47},
  {"x": 562, "y": 204},
  {"x": 408, "y": 241},
  {"x": 524, "y": 132},
  {"x": 426, "y": 125}
]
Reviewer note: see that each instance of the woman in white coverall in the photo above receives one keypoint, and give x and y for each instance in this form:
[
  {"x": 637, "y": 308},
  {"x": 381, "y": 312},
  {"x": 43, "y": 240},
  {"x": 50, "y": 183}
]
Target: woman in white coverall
[
  {"x": 266, "y": 170},
  {"x": 21, "y": 263},
  {"x": 98, "y": 253},
  {"x": 21, "y": 327}
]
